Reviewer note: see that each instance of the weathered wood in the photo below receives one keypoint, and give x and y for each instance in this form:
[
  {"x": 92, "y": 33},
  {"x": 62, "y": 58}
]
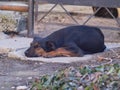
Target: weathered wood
[{"x": 14, "y": 6}]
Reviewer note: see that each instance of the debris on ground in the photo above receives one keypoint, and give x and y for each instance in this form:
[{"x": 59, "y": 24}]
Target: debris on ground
[{"x": 102, "y": 77}]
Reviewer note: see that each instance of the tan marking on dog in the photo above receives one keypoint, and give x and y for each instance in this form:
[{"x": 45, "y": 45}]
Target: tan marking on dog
[
  {"x": 40, "y": 51},
  {"x": 59, "y": 52}
]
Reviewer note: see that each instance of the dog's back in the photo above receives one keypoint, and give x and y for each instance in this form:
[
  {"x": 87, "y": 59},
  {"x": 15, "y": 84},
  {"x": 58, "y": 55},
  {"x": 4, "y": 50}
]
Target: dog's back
[
  {"x": 89, "y": 39},
  {"x": 69, "y": 41}
]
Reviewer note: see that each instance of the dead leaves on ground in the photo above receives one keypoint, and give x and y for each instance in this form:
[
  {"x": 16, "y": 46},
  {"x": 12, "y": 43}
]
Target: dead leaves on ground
[{"x": 102, "y": 77}]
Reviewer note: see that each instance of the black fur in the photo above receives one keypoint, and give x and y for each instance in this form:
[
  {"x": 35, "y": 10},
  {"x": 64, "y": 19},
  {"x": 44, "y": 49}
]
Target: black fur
[{"x": 77, "y": 39}]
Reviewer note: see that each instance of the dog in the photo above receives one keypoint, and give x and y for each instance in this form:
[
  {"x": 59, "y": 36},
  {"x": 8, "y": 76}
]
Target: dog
[{"x": 72, "y": 41}]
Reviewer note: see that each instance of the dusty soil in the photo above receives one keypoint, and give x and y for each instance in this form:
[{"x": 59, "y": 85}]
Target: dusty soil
[{"x": 15, "y": 73}]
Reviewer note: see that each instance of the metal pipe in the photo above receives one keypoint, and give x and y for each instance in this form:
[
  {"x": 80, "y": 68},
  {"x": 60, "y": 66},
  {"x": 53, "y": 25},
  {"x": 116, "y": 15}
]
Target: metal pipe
[{"x": 30, "y": 32}]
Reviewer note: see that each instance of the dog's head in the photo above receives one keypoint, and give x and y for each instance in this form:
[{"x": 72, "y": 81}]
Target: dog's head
[{"x": 39, "y": 47}]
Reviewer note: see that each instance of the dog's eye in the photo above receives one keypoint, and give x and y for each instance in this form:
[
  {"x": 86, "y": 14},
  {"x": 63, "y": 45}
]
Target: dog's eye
[
  {"x": 36, "y": 46},
  {"x": 31, "y": 44}
]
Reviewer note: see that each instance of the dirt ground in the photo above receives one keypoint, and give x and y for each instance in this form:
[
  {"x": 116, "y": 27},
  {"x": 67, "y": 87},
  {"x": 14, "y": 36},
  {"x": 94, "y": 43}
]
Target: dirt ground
[{"x": 15, "y": 73}]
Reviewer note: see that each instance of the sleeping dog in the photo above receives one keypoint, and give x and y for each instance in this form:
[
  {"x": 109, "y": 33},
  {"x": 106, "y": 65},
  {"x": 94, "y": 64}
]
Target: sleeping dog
[{"x": 70, "y": 41}]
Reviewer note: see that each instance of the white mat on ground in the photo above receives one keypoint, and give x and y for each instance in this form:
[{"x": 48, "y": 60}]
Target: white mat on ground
[
  {"x": 19, "y": 54},
  {"x": 3, "y": 36},
  {"x": 12, "y": 44}
]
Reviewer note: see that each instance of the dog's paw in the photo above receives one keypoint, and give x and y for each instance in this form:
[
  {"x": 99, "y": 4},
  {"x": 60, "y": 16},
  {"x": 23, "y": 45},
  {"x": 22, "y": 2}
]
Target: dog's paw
[{"x": 47, "y": 56}]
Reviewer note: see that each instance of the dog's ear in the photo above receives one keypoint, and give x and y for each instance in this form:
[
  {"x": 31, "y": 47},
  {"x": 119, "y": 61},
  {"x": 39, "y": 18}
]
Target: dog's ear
[
  {"x": 50, "y": 45},
  {"x": 36, "y": 38}
]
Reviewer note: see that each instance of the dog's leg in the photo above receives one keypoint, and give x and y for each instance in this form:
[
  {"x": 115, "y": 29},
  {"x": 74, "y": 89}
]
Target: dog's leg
[
  {"x": 59, "y": 52},
  {"x": 67, "y": 51}
]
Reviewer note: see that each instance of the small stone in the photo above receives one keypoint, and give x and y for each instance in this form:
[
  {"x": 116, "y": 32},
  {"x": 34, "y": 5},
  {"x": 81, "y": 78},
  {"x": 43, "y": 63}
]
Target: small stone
[
  {"x": 21, "y": 88},
  {"x": 13, "y": 87},
  {"x": 80, "y": 88},
  {"x": 18, "y": 78},
  {"x": 29, "y": 78},
  {"x": 2, "y": 87}
]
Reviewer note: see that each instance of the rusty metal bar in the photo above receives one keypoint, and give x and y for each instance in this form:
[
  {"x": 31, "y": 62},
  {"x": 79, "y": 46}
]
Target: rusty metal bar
[
  {"x": 91, "y": 16},
  {"x": 36, "y": 10},
  {"x": 97, "y": 3},
  {"x": 30, "y": 18},
  {"x": 47, "y": 12},
  {"x": 68, "y": 13},
  {"x": 61, "y": 5},
  {"x": 113, "y": 16},
  {"x": 14, "y": 6}
]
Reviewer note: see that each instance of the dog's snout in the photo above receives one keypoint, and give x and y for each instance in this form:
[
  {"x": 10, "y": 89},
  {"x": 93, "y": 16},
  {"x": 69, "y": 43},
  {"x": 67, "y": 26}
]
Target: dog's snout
[{"x": 26, "y": 53}]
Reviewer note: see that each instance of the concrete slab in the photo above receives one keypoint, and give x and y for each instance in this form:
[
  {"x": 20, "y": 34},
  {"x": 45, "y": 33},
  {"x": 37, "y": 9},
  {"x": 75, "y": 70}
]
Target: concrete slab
[
  {"x": 16, "y": 46},
  {"x": 3, "y": 36},
  {"x": 19, "y": 54},
  {"x": 12, "y": 44},
  {"x": 112, "y": 45}
]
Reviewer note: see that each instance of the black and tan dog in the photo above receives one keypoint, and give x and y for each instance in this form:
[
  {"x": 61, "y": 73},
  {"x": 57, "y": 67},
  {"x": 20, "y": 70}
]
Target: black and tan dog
[{"x": 70, "y": 41}]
